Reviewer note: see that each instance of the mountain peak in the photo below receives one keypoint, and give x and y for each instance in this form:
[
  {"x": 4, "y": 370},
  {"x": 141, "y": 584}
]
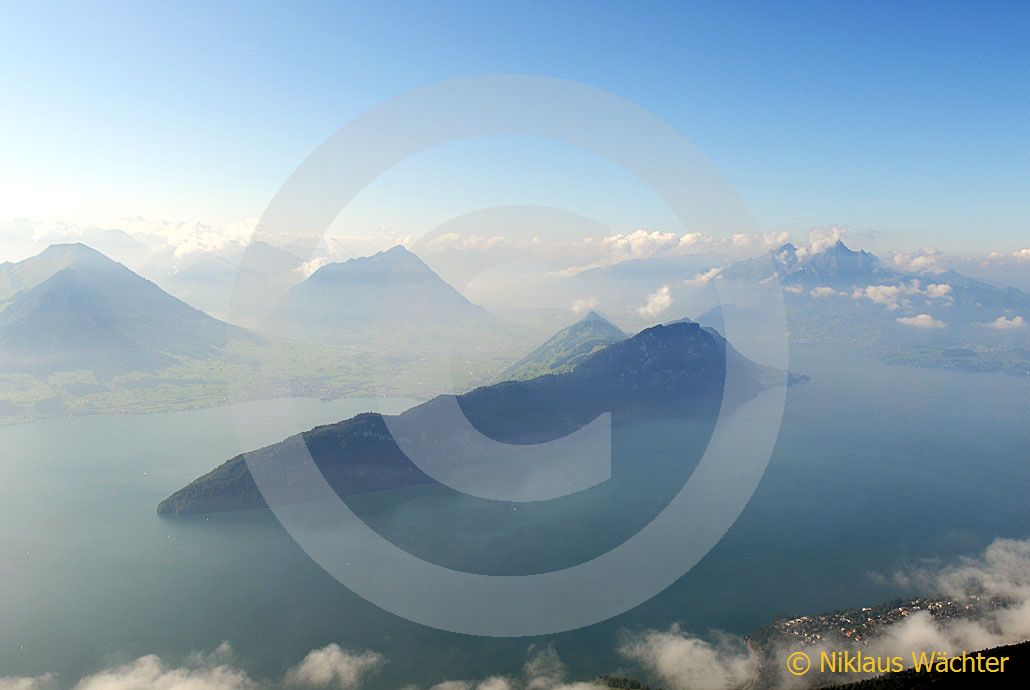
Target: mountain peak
[
  {"x": 567, "y": 348},
  {"x": 842, "y": 249},
  {"x": 594, "y": 316},
  {"x": 72, "y": 252},
  {"x": 393, "y": 262},
  {"x": 391, "y": 290},
  {"x": 37, "y": 269}
]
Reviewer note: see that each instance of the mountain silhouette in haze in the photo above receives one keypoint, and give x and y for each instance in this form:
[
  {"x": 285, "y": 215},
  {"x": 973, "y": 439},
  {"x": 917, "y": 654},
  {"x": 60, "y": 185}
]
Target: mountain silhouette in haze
[
  {"x": 678, "y": 370},
  {"x": 392, "y": 295},
  {"x": 72, "y": 308},
  {"x": 843, "y": 296},
  {"x": 242, "y": 285},
  {"x": 566, "y": 348},
  {"x": 835, "y": 266}
]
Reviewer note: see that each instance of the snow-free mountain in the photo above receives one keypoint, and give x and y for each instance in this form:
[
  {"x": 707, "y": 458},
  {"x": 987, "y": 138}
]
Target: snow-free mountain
[
  {"x": 566, "y": 348},
  {"x": 241, "y": 286},
  {"x": 389, "y": 290},
  {"x": 678, "y": 370},
  {"x": 71, "y": 308},
  {"x": 399, "y": 315},
  {"x": 83, "y": 334}
]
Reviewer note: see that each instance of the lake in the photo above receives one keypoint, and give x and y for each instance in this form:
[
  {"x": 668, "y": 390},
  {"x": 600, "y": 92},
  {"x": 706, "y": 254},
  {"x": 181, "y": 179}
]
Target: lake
[{"x": 877, "y": 469}]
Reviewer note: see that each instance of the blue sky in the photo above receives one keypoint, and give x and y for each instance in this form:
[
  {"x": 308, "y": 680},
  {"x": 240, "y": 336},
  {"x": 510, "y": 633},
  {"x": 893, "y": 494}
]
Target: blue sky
[{"x": 909, "y": 120}]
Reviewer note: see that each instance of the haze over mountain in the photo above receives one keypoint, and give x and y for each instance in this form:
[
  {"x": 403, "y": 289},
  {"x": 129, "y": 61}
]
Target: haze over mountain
[
  {"x": 72, "y": 308},
  {"x": 394, "y": 309},
  {"x": 82, "y": 334},
  {"x": 677, "y": 370},
  {"x": 836, "y": 265},
  {"x": 566, "y": 348},
  {"x": 242, "y": 286},
  {"x": 393, "y": 293}
]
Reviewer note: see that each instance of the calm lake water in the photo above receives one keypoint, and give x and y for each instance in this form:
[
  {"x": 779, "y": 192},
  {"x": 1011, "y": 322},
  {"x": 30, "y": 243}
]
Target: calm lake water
[{"x": 876, "y": 470}]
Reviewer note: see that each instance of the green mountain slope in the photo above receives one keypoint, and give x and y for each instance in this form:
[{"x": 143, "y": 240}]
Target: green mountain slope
[{"x": 566, "y": 348}]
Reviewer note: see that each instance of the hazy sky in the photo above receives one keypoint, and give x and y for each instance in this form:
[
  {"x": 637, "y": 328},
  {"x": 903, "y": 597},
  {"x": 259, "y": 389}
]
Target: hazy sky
[{"x": 910, "y": 120}]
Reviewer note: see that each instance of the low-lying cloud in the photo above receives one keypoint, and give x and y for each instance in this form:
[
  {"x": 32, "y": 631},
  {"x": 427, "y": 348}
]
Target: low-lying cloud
[
  {"x": 543, "y": 670},
  {"x": 1003, "y": 324},
  {"x": 675, "y": 659},
  {"x": 684, "y": 662},
  {"x": 895, "y": 297},
  {"x": 924, "y": 321},
  {"x": 333, "y": 667},
  {"x": 44, "y": 682}
]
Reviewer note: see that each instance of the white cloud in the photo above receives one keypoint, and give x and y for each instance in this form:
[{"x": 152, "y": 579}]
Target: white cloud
[
  {"x": 333, "y": 667},
  {"x": 691, "y": 239},
  {"x": 774, "y": 239},
  {"x": 496, "y": 683},
  {"x": 921, "y": 321},
  {"x": 640, "y": 243},
  {"x": 473, "y": 242},
  {"x": 543, "y": 670},
  {"x": 200, "y": 672},
  {"x": 1001, "y": 572},
  {"x": 893, "y": 296},
  {"x": 823, "y": 291},
  {"x": 926, "y": 260},
  {"x": 612, "y": 249},
  {"x": 1003, "y": 324},
  {"x": 938, "y": 290},
  {"x": 1022, "y": 254},
  {"x": 44, "y": 682},
  {"x": 741, "y": 240},
  {"x": 683, "y": 662},
  {"x": 657, "y": 303},
  {"x": 703, "y": 278},
  {"x": 584, "y": 305},
  {"x": 453, "y": 685},
  {"x": 887, "y": 295},
  {"x": 820, "y": 240}
]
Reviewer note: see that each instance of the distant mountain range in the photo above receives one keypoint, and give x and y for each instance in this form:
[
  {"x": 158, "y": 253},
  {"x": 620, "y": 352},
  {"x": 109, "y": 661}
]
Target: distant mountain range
[
  {"x": 663, "y": 371},
  {"x": 837, "y": 265},
  {"x": 388, "y": 324},
  {"x": 242, "y": 286},
  {"x": 72, "y": 308},
  {"x": 82, "y": 334},
  {"x": 843, "y": 296}
]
